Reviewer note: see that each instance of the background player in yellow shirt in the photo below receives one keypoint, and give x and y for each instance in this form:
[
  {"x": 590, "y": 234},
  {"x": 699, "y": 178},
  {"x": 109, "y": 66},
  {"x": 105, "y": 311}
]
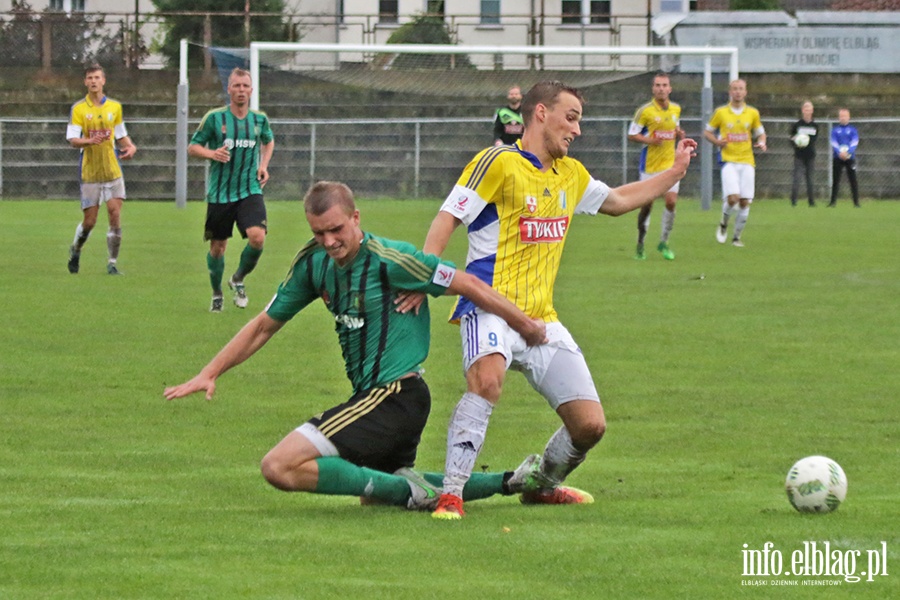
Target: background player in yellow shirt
[
  {"x": 517, "y": 203},
  {"x": 96, "y": 127},
  {"x": 657, "y": 124},
  {"x": 735, "y": 128}
]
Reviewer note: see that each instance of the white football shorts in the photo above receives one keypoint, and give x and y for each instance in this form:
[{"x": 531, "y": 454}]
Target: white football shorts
[
  {"x": 93, "y": 194},
  {"x": 738, "y": 179},
  {"x": 556, "y": 370}
]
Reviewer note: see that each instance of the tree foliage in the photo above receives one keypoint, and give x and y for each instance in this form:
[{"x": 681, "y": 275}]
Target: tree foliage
[
  {"x": 426, "y": 29},
  {"x": 74, "y": 39},
  {"x": 226, "y": 30},
  {"x": 754, "y": 5}
]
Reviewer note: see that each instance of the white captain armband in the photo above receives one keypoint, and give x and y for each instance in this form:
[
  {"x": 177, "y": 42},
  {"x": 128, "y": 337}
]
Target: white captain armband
[{"x": 443, "y": 275}]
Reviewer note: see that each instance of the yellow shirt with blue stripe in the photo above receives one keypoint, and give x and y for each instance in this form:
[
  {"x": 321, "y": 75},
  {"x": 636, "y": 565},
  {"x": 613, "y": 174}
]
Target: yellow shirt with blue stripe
[
  {"x": 738, "y": 128},
  {"x": 654, "y": 121},
  {"x": 99, "y": 162},
  {"x": 518, "y": 219}
]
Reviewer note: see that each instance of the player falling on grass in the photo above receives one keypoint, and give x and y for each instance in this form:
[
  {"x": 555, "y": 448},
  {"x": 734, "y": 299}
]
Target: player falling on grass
[
  {"x": 656, "y": 124},
  {"x": 97, "y": 129},
  {"x": 238, "y": 143},
  {"x": 367, "y": 445},
  {"x": 733, "y": 129},
  {"x": 517, "y": 203}
]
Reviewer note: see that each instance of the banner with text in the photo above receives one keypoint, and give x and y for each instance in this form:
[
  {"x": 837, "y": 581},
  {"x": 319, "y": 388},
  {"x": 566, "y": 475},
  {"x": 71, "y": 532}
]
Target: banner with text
[
  {"x": 803, "y": 49},
  {"x": 820, "y": 49}
]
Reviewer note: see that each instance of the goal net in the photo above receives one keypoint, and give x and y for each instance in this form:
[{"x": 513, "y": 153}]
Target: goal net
[
  {"x": 473, "y": 71},
  {"x": 397, "y": 120}
]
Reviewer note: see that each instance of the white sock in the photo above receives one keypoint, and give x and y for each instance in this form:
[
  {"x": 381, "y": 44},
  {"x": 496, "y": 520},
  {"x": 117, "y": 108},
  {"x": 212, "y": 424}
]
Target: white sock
[
  {"x": 560, "y": 457},
  {"x": 740, "y": 221},
  {"x": 80, "y": 237},
  {"x": 726, "y": 212},
  {"x": 668, "y": 220},
  {"x": 465, "y": 437},
  {"x": 113, "y": 241}
]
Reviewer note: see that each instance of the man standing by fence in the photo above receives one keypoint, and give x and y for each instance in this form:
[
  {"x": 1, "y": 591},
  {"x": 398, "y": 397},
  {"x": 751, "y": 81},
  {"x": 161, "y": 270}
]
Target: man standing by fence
[
  {"x": 508, "y": 124},
  {"x": 97, "y": 129},
  {"x": 844, "y": 140}
]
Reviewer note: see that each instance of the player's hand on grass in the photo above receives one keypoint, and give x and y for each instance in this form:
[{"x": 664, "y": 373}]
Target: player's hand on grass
[
  {"x": 409, "y": 301},
  {"x": 197, "y": 384}
]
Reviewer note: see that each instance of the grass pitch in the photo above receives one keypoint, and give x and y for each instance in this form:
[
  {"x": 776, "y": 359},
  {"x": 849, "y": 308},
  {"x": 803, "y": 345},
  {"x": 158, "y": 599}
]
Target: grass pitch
[{"x": 717, "y": 371}]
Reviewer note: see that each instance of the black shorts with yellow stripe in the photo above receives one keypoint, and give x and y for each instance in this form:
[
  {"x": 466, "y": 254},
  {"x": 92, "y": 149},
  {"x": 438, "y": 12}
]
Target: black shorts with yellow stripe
[{"x": 379, "y": 428}]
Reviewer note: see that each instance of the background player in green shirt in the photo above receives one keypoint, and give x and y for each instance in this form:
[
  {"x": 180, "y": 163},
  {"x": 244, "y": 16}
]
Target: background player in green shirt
[
  {"x": 367, "y": 445},
  {"x": 238, "y": 142}
]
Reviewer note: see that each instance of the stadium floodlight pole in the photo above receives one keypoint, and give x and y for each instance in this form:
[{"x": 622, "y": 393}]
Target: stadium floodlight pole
[
  {"x": 181, "y": 139},
  {"x": 256, "y": 47}
]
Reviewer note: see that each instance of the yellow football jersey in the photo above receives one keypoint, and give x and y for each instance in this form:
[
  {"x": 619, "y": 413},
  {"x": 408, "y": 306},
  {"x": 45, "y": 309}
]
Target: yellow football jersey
[
  {"x": 98, "y": 163},
  {"x": 518, "y": 218},
  {"x": 738, "y": 128},
  {"x": 661, "y": 123}
]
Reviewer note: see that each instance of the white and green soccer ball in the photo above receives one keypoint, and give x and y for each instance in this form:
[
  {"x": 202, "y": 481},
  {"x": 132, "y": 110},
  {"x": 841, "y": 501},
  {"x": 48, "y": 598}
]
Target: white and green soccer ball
[
  {"x": 801, "y": 140},
  {"x": 816, "y": 484}
]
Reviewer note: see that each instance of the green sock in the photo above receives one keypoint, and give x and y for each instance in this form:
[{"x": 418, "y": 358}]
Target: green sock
[
  {"x": 249, "y": 258},
  {"x": 216, "y": 270},
  {"x": 341, "y": 478},
  {"x": 480, "y": 485}
]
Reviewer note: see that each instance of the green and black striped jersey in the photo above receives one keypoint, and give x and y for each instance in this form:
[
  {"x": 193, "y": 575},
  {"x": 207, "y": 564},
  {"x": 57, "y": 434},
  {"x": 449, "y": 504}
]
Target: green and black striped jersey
[
  {"x": 379, "y": 344},
  {"x": 236, "y": 179}
]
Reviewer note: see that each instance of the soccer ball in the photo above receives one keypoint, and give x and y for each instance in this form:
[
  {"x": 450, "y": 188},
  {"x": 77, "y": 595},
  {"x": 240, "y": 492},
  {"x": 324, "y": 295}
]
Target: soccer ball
[
  {"x": 801, "y": 140},
  {"x": 816, "y": 484},
  {"x": 844, "y": 150}
]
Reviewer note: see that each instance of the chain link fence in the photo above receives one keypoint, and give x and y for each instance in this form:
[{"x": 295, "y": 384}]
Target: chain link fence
[{"x": 408, "y": 158}]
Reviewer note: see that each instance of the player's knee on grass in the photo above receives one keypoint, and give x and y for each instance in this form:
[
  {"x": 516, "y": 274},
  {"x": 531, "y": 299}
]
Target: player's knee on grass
[{"x": 278, "y": 473}]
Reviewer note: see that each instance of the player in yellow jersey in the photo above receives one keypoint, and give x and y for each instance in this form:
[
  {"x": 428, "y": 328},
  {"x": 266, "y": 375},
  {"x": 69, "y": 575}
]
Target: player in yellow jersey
[
  {"x": 735, "y": 128},
  {"x": 97, "y": 129},
  {"x": 517, "y": 203},
  {"x": 657, "y": 124}
]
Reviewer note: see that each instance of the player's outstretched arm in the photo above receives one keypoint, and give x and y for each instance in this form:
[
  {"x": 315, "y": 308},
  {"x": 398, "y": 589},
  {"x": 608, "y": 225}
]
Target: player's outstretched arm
[
  {"x": 534, "y": 331},
  {"x": 242, "y": 346},
  {"x": 633, "y": 195}
]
